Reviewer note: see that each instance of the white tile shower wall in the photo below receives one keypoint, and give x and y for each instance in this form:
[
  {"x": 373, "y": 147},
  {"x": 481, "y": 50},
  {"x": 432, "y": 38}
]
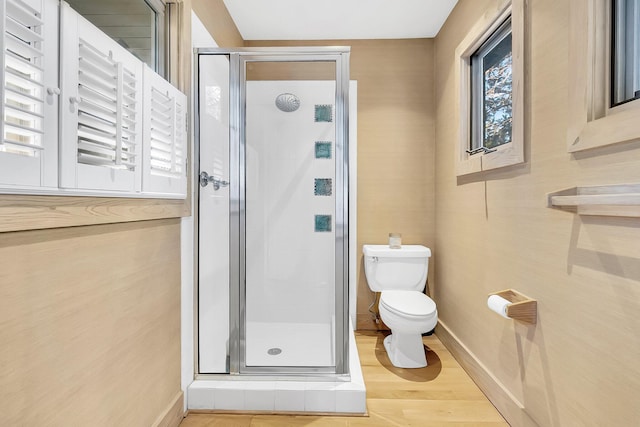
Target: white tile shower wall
[{"x": 290, "y": 267}]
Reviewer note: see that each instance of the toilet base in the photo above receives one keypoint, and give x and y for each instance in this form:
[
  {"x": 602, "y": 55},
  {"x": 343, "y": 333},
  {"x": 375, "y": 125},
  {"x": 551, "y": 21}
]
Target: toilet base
[{"x": 405, "y": 350}]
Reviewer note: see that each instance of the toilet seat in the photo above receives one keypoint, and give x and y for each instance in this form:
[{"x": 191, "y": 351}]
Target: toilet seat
[{"x": 412, "y": 304}]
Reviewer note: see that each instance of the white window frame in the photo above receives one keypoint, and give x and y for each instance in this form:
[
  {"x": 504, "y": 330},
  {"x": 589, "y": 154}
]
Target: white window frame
[
  {"x": 506, "y": 154},
  {"x": 162, "y": 36},
  {"x": 592, "y": 122},
  {"x": 160, "y": 31}
]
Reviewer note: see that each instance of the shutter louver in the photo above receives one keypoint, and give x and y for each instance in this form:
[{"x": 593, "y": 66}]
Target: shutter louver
[
  {"x": 181, "y": 139},
  {"x": 24, "y": 90},
  {"x": 106, "y": 111},
  {"x": 162, "y": 134},
  {"x": 165, "y": 137}
]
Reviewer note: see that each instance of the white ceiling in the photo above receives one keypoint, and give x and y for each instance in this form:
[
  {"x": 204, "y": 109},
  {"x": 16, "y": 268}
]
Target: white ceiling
[{"x": 338, "y": 19}]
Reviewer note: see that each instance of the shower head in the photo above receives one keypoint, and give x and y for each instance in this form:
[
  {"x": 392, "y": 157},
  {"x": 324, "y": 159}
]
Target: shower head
[{"x": 287, "y": 102}]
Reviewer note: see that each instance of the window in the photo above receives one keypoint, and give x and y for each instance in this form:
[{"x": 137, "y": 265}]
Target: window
[
  {"x": 625, "y": 54},
  {"x": 490, "y": 79},
  {"x": 604, "y": 73},
  {"x": 137, "y": 25},
  {"x": 491, "y": 92}
]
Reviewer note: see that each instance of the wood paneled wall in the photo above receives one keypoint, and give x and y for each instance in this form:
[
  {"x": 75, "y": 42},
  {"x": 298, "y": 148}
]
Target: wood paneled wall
[
  {"x": 578, "y": 366},
  {"x": 396, "y": 145},
  {"x": 90, "y": 324}
]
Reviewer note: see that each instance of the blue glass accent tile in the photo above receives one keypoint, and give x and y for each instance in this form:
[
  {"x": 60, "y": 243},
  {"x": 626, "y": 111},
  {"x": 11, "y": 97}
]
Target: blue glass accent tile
[
  {"x": 323, "y": 223},
  {"x": 322, "y": 187},
  {"x": 324, "y": 113},
  {"x": 323, "y": 150}
]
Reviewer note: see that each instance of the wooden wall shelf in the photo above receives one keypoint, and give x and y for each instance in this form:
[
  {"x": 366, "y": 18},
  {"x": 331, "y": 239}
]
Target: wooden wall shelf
[
  {"x": 521, "y": 308},
  {"x": 606, "y": 200}
]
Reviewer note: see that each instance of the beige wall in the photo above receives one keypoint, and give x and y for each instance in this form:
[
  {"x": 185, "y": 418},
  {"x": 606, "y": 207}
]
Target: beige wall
[
  {"x": 579, "y": 365},
  {"x": 395, "y": 144},
  {"x": 90, "y": 324},
  {"x": 216, "y": 19}
]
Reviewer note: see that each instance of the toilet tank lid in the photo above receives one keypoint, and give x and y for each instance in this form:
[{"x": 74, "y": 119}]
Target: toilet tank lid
[{"x": 406, "y": 251}]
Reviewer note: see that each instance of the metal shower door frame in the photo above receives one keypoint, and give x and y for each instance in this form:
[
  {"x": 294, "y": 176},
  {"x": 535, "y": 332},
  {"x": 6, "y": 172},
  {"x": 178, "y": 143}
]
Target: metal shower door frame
[{"x": 237, "y": 203}]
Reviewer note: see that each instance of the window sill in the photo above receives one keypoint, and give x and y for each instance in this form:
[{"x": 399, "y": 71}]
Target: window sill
[
  {"x": 622, "y": 126},
  {"x": 506, "y": 155},
  {"x": 34, "y": 212}
]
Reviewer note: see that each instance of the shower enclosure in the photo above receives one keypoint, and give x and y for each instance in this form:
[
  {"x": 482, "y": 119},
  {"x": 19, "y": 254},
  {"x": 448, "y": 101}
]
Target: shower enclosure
[{"x": 272, "y": 130}]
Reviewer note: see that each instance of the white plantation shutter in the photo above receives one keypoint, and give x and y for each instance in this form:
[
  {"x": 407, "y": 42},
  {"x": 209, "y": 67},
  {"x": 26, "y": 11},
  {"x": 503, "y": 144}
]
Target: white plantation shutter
[
  {"x": 165, "y": 137},
  {"x": 102, "y": 110},
  {"x": 29, "y": 107},
  {"x": 106, "y": 112}
]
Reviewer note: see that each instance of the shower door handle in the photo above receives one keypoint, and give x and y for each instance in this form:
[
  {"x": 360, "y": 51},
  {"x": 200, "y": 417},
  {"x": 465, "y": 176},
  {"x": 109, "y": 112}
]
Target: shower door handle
[{"x": 205, "y": 179}]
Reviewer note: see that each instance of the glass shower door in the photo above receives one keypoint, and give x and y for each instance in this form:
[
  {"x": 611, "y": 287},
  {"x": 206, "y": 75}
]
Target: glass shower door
[{"x": 292, "y": 215}]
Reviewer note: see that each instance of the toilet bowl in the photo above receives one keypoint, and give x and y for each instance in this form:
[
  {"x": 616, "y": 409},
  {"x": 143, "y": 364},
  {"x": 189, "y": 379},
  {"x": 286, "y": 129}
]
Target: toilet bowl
[
  {"x": 409, "y": 314},
  {"x": 400, "y": 275}
]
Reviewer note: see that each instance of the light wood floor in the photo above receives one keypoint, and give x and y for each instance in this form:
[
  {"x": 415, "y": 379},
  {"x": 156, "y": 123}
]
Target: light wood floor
[{"x": 442, "y": 394}]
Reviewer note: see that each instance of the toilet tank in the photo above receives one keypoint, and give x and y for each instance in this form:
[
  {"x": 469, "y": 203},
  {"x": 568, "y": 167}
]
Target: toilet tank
[{"x": 396, "y": 269}]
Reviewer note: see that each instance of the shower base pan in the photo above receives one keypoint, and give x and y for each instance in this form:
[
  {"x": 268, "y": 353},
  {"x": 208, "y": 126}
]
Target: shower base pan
[
  {"x": 285, "y": 344},
  {"x": 286, "y": 394}
]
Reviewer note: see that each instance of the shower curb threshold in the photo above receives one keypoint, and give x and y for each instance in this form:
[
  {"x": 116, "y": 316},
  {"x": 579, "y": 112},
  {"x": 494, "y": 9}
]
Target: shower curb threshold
[{"x": 305, "y": 395}]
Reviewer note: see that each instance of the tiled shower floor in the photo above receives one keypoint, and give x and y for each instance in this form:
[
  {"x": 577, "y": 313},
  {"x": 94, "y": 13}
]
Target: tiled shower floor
[{"x": 311, "y": 343}]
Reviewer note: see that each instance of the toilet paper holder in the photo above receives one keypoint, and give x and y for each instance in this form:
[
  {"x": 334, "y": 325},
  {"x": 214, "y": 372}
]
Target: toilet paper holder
[{"x": 521, "y": 307}]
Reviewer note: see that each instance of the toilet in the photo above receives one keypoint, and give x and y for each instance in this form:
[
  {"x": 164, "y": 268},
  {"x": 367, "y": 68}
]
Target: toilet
[{"x": 401, "y": 275}]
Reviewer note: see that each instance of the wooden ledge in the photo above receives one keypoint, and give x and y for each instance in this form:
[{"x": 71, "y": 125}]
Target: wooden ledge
[{"x": 605, "y": 200}]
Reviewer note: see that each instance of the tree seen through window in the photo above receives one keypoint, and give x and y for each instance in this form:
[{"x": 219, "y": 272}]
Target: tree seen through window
[{"x": 497, "y": 94}]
